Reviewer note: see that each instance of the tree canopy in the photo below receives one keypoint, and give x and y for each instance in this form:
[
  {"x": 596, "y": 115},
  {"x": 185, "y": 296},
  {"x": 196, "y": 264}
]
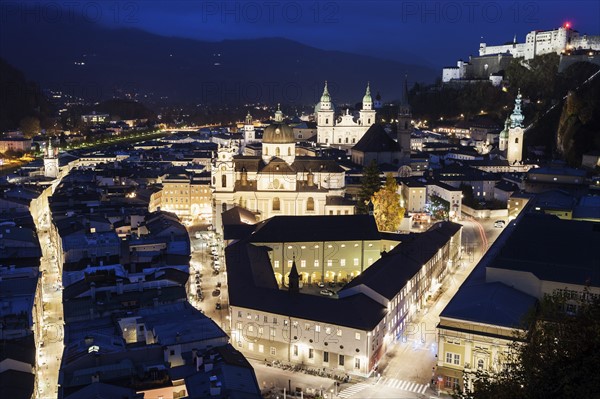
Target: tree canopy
[
  {"x": 369, "y": 184},
  {"x": 386, "y": 206}
]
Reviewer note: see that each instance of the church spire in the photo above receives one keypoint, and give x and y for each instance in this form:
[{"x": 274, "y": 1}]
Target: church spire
[
  {"x": 294, "y": 279},
  {"x": 325, "y": 97},
  {"x": 278, "y": 114},
  {"x": 50, "y": 150},
  {"x": 516, "y": 118}
]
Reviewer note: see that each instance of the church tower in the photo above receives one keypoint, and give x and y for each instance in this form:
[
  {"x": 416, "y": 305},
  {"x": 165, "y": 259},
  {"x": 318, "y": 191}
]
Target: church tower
[
  {"x": 249, "y": 134},
  {"x": 503, "y": 139},
  {"x": 223, "y": 173},
  {"x": 325, "y": 118},
  {"x": 50, "y": 162},
  {"x": 514, "y": 153},
  {"x": 367, "y": 113},
  {"x": 404, "y": 125}
]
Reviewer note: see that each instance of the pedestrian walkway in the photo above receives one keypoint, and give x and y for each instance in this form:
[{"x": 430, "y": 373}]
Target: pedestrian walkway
[
  {"x": 352, "y": 390},
  {"x": 403, "y": 385}
]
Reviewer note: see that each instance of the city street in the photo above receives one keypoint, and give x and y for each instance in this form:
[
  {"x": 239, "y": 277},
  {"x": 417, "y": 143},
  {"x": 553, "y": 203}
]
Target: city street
[{"x": 51, "y": 346}]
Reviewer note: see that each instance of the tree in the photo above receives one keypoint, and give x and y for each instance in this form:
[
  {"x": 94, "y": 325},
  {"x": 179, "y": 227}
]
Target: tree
[
  {"x": 30, "y": 126},
  {"x": 438, "y": 207},
  {"x": 558, "y": 357},
  {"x": 369, "y": 184},
  {"x": 386, "y": 206}
]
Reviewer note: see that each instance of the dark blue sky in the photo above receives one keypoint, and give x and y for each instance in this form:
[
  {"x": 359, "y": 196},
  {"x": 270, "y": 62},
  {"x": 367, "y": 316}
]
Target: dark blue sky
[{"x": 434, "y": 32}]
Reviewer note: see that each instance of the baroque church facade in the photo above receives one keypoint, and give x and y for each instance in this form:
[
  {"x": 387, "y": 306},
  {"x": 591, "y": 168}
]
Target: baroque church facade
[
  {"x": 277, "y": 182},
  {"x": 343, "y": 129}
]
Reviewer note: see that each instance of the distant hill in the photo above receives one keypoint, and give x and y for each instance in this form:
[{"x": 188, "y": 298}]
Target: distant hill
[
  {"x": 19, "y": 98},
  {"x": 92, "y": 61}
]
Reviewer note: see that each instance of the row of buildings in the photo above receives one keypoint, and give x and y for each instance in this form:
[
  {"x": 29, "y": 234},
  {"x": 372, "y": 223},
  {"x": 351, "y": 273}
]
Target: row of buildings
[{"x": 278, "y": 314}]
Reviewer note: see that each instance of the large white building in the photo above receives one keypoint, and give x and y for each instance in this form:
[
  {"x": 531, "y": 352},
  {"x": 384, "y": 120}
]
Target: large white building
[
  {"x": 344, "y": 129},
  {"x": 539, "y": 42},
  {"x": 277, "y": 182}
]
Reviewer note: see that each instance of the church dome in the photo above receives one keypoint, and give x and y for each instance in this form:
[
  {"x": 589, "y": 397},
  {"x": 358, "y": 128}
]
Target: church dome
[
  {"x": 367, "y": 98},
  {"x": 278, "y": 133}
]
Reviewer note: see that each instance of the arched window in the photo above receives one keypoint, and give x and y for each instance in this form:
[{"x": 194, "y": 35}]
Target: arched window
[
  {"x": 276, "y": 204},
  {"x": 214, "y": 180},
  {"x": 340, "y": 140},
  {"x": 326, "y": 120},
  {"x": 346, "y": 140},
  {"x": 516, "y": 140},
  {"x": 310, "y": 204},
  {"x": 277, "y": 152},
  {"x": 223, "y": 181},
  {"x": 480, "y": 364}
]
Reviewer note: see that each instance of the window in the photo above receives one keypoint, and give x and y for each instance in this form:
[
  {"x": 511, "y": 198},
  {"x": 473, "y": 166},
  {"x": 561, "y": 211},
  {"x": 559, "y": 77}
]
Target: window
[
  {"x": 251, "y": 346},
  {"x": 172, "y": 352},
  {"x": 310, "y": 204},
  {"x": 452, "y": 358},
  {"x": 480, "y": 364},
  {"x": 516, "y": 140},
  {"x": 341, "y": 360},
  {"x": 329, "y": 262},
  {"x": 311, "y": 353},
  {"x": 339, "y": 332},
  {"x": 276, "y": 264},
  {"x": 295, "y": 350},
  {"x": 261, "y": 348},
  {"x": 272, "y": 332},
  {"x": 325, "y": 357},
  {"x": 451, "y": 382},
  {"x": 342, "y": 262},
  {"x": 273, "y": 351},
  {"x": 302, "y": 263},
  {"x": 327, "y": 330},
  {"x": 357, "y": 362},
  {"x": 355, "y": 261},
  {"x": 317, "y": 328},
  {"x": 277, "y": 152},
  {"x": 357, "y": 336},
  {"x": 316, "y": 263},
  {"x": 239, "y": 325},
  {"x": 289, "y": 151},
  {"x": 223, "y": 181},
  {"x": 276, "y": 204}
]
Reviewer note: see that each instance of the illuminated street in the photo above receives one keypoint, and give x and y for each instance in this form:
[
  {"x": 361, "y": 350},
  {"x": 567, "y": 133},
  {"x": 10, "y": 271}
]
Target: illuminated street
[{"x": 50, "y": 353}]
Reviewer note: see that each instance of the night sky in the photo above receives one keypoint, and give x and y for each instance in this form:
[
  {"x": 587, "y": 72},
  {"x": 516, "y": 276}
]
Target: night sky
[{"x": 437, "y": 32}]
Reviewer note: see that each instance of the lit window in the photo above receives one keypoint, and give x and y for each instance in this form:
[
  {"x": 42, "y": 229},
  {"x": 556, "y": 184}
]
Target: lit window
[
  {"x": 357, "y": 336},
  {"x": 316, "y": 263},
  {"x": 342, "y": 262},
  {"x": 273, "y": 351},
  {"x": 355, "y": 261},
  {"x": 329, "y": 262},
  {"x": 276, "y": 264},
  {"x": 303, "y": 263}
]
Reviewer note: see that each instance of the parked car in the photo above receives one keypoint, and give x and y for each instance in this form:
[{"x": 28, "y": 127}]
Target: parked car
[
  {"x": 499, "y": 223},
  {"x": 326, "y": 292}
]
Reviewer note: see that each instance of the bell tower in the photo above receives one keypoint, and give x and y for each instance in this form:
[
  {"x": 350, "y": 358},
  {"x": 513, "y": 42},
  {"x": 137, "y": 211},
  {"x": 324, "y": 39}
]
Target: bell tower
[
  {"x": 514, "y": 153},
  {"x": 50, "y": 162}
]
